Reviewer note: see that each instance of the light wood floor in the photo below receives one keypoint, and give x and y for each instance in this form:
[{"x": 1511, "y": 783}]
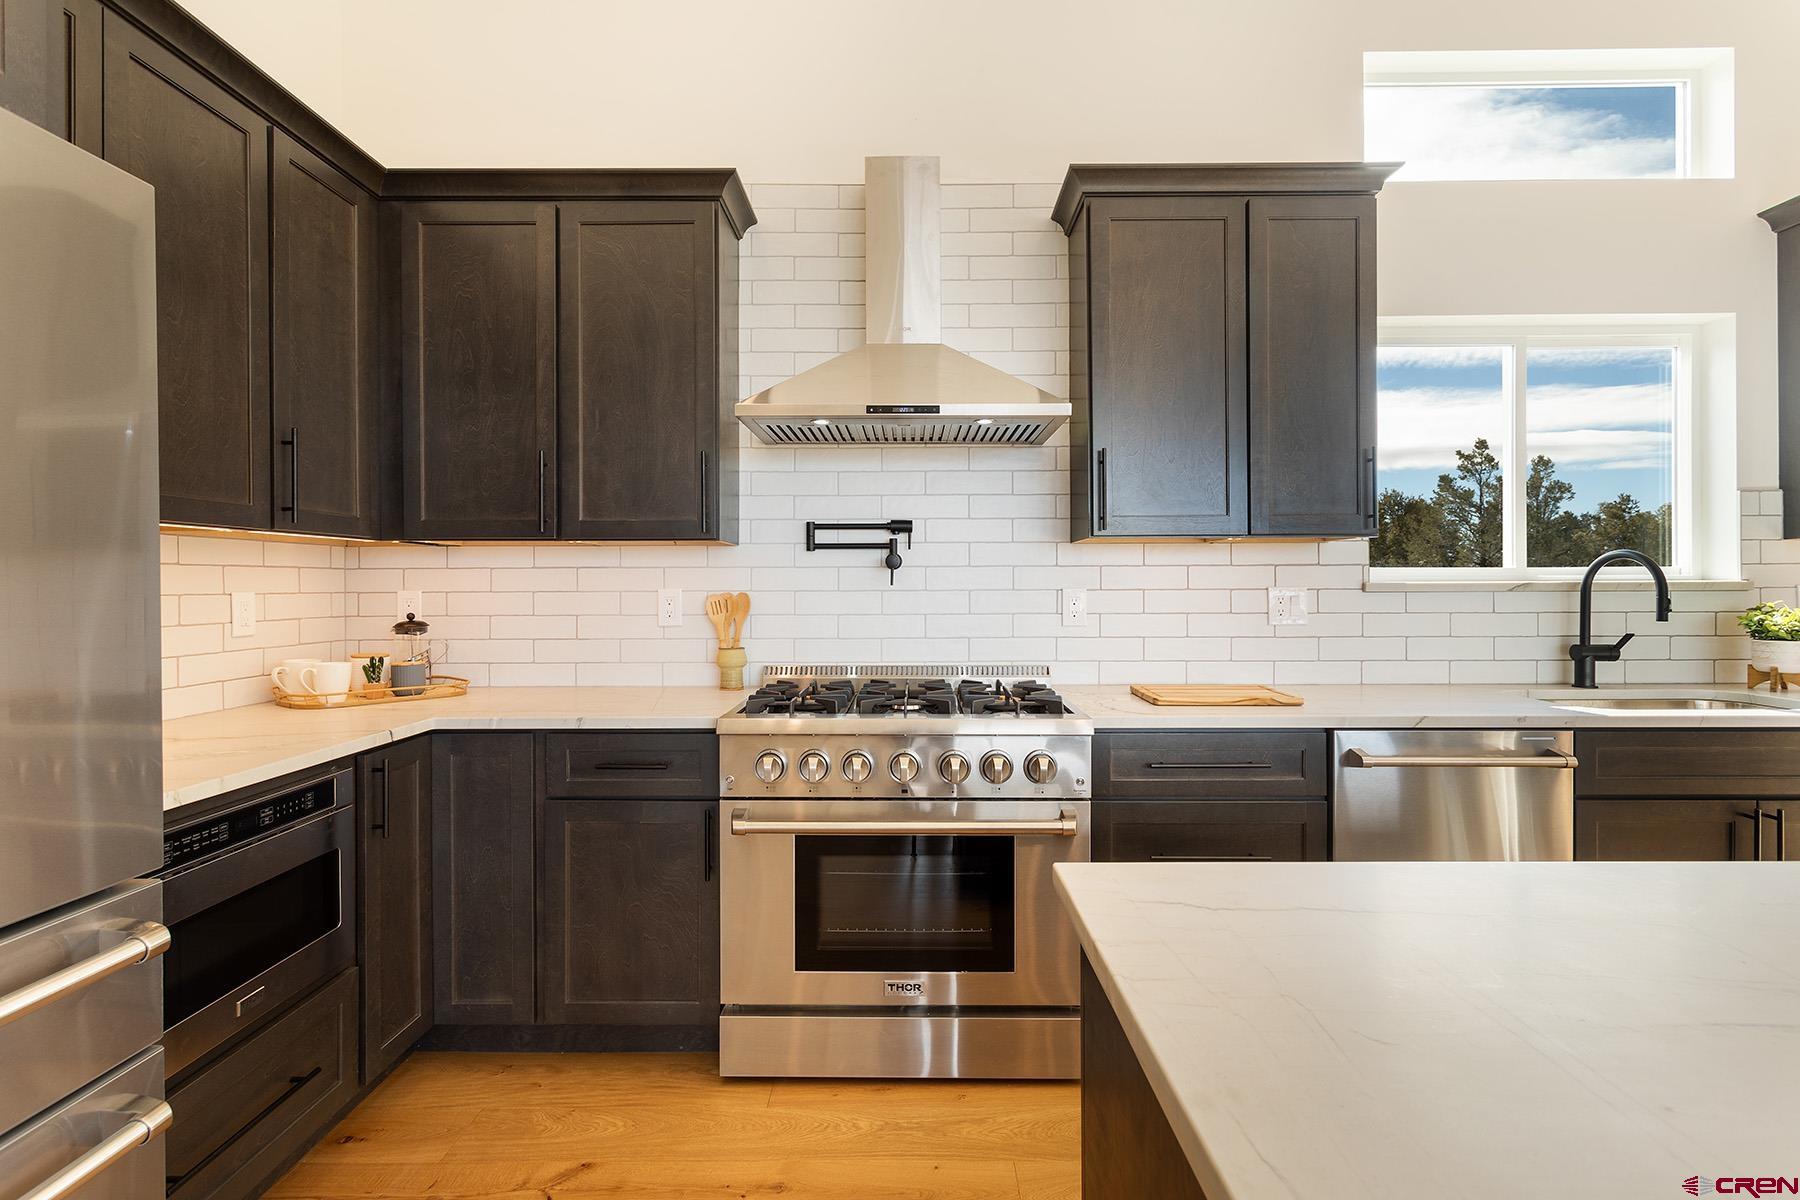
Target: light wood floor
[{"x": 666, "y": 1127}]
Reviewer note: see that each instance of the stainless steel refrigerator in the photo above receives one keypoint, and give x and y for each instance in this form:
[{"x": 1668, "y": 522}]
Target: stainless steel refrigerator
[{"x": 81, "y": 1076}]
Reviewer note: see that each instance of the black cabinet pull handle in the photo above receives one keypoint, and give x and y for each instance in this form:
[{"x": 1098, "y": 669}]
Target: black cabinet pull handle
[
  {"x": 1374, "y": 505},
  {"x": 1212, "y": 766},
  {"x": 705, "y": 505},
  {"x": 1754, "y": 816},
  {"x": 543, "y": 508},
  {"x": 632, "y": 766},
  {"x": 1779, "y": 816},
  {"x": 382, "y": 827},
  {"x": 292, "y": 507},
  {"x": 295, "y": 1083},
  {"x": 1102, "y": 489},
  {"x": 1210, "y": 858},
  {"x": 707, "y": 835}
]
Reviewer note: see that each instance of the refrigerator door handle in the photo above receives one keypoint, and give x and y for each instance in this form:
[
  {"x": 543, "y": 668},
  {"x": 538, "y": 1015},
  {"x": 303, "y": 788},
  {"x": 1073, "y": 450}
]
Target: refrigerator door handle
[
  {"x": 142, "y": 942},
  {"x": 146, "y": 1120}
]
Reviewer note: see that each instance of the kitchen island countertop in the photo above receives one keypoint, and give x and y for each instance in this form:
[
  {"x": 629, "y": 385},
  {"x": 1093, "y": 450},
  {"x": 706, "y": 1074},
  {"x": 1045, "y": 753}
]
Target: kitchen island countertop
[{"x": 1477, "y": 1030}]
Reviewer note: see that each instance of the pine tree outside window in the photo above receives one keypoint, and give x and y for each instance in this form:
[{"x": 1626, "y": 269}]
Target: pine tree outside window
[{"x": 1525, "y": 453}]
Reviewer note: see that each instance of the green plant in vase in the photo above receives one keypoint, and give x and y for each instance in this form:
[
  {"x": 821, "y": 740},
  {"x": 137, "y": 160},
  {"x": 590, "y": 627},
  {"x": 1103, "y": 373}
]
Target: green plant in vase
[{"x": 1774, "y": 631}]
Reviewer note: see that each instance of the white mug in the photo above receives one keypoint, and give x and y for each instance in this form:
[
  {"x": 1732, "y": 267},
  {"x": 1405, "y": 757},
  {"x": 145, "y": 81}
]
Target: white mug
[
  {"x": 295, "y": 676},
  {"x": 329, "y": 679}
]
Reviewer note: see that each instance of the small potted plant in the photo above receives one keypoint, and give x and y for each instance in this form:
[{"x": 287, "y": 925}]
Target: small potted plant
[{"x": 1774, "y": 631}]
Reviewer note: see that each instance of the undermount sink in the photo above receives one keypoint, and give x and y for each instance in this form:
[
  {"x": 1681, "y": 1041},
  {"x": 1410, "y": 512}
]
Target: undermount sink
[{"x": 1656, "y": 704}]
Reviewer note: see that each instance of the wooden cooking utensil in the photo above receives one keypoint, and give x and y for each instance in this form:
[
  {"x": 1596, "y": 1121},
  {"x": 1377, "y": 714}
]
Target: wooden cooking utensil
[
  {"x": 740, "y": 611},
  {"x": 718, "y": 611}
]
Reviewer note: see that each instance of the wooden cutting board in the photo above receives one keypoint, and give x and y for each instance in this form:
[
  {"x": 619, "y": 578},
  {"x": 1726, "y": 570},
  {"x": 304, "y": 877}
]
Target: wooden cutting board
[{"x": 1211, "y": 693}]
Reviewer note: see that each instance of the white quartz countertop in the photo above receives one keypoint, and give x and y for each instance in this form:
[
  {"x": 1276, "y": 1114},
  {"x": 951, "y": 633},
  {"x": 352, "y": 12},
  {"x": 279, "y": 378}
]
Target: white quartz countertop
[
  {"x": 1471, "y": 1030},
  {"x": 209, "y": 755},
  {"x": 1397, "y": 706},
  {"x": 215, "y": 753}
]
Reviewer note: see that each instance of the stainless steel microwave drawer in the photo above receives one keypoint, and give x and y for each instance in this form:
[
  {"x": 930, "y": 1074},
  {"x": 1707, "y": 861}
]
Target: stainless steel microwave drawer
[
  {"x": 1182, "y": 764},
  {"x": 632, "y": 765}
]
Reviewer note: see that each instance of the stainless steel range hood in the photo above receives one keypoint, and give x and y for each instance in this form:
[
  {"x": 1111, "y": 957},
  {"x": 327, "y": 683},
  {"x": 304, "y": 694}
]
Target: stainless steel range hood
[{"x": 903, "y": 385}]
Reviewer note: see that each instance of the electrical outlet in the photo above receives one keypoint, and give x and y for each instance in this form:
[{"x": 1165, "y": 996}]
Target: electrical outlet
[
  {"x": 1074, "y": 606},
  {"x": 668, "y": 606},
  {"x": 243, "y": 614},
  {"x": 408, "y": 602},
  {"x": 1287, "y": 606}
]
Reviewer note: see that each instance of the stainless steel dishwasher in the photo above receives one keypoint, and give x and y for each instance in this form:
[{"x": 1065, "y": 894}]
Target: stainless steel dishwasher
[{"x": 1452, "y": 796}]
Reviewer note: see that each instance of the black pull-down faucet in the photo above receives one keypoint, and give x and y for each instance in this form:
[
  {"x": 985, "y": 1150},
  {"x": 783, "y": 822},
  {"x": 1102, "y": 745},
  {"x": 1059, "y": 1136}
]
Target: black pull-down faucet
[{"x": 1584, "y": 651}]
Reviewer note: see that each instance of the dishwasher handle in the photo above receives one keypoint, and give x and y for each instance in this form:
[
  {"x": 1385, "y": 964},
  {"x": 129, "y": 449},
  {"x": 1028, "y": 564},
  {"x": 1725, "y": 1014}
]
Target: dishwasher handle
[{"x": 1550, "y": 760}]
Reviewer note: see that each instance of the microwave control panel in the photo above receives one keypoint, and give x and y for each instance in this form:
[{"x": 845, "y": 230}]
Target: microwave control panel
[{"x": 227, "y": 829}]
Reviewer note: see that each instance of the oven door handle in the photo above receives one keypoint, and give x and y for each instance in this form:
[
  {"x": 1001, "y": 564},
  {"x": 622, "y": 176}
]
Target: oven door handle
[
  {"x": 142, "y": 943},
  {"x": 1066, "y": 824}
]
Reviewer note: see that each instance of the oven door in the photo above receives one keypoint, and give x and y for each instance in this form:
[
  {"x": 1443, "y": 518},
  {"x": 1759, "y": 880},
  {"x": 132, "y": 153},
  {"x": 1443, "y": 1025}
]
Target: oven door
[
  {"x": 254, "y": 929},
  {"x": 847, "y": 903}
]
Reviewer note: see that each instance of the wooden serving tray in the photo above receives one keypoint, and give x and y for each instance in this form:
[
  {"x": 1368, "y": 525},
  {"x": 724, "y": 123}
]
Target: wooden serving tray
[
  {"x": 434, "y": 688},
  {"x": 1211, "y": 693}
]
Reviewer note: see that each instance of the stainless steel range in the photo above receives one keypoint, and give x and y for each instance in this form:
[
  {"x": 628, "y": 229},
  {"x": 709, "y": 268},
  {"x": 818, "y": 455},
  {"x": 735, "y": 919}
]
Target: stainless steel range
[{"x": 887, "y": 908}]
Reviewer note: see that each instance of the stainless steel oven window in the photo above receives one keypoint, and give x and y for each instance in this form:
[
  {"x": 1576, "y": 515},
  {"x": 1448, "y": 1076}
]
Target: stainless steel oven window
[{"x": 904, "y": 904}]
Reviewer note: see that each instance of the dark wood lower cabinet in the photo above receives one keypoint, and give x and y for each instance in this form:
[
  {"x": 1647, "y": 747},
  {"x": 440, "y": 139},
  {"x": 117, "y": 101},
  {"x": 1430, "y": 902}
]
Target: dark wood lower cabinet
[
  {"x": 1686, "y": 830},
  {"x": 1128, "y": 1151},
  {"x": 33, "y": 66},
  {"x": 245, "y": 1118},
  {"x": 629, "y": 920},
  {"x": 483, "y": 879},
  {"x": 395, "y": 889},
  {"x": 1211, "y": 830}
]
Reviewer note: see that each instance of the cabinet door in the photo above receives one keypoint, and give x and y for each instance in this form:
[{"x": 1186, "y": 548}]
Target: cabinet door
[
  {"x": 33, "y": 63},
  {"x": 395, "y": 788},
  {"x": 640, "y": 370},
  {"x": 322, "y": 346},
  {"x": 81, "y": 24},
  {"x": 478, "y": 369},
  {"x": 1663, "y": 830},
  {"x": 1312, "y": 366},
  {"x": 1167, "y": 379},
  {"x": 630, "y": 914},
  {"x": 207, "y": 155},
  {"x": 1210, "y": 830},
  {"x": 482, "y": 889}
]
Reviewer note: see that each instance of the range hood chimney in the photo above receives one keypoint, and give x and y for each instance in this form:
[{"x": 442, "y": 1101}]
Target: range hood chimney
[{"x": 903, "y": 385}]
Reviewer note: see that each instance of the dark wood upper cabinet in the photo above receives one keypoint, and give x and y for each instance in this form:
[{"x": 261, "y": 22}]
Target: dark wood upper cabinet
[
  {"x": 478, "y": 369},
  {"x": 207, "y": 155},
  {"x": 323, "y": 328},
  {"x": 629, "y": 917},
  {"x": 1222, "y": 353},
  {"x": 1312, "y": 365},
  {"x": 395, "y": 889},
  {"x": 1165, "y": 308},
  {"x": 640, "y": 403},
  {"x": 1784, "y": 219},
  {"x": 33, "y": 63},
  {"x": 483, "y": 879}
]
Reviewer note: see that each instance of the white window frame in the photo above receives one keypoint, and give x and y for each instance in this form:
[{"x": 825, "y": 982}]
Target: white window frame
[
  {"x": 1515, "y": 456},
  {"x": 1702, "y": 77}
]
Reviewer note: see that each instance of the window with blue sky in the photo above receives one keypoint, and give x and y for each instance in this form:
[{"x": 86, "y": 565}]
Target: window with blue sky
[
  {"x": 1527, "y": 451},
  {"x": 1517, "y": 131}
]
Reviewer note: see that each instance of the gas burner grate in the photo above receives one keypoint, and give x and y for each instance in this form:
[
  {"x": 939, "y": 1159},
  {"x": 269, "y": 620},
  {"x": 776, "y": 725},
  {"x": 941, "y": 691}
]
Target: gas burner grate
[{"x": 1027, "y": 697}]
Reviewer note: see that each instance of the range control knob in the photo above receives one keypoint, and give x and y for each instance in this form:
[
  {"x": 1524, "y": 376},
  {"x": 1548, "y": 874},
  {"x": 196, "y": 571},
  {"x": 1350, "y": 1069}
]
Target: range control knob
[
  {"x": 904, "y": 767},
  {"x": 814, "y": 766},
  {"x": 996, "y": 767},
  {"x": 770, "y": 766},
  {"x": 1040, "y": 767},
  {"x": 953, "y": 767},
  {"x": 856, "y": 766}
]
